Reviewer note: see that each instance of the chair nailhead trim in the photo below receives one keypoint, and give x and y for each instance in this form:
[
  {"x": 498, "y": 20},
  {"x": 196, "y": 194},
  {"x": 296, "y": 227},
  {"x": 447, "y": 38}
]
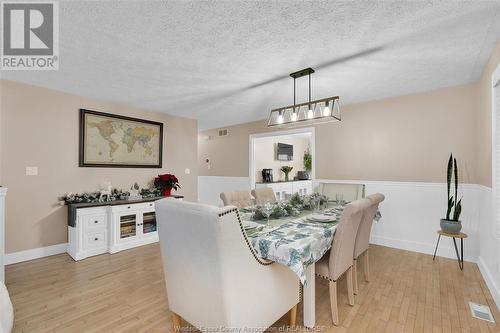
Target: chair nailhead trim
[
  {"x": 228, "y": 212},
  {"x": 260, "y": 260},
  {"x": 325, "y": 277}
]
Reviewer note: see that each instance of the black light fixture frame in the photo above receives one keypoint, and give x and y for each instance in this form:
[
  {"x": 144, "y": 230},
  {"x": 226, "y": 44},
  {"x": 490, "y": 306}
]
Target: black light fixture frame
[{"x": 295, "y": 75}]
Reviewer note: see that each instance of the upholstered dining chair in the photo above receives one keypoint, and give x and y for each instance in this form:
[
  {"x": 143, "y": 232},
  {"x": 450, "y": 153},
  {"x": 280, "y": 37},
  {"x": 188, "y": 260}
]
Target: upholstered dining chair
[
  {"x": 338, "y": 260},
  {"x": 349, "y": 192},
  {"x": 264, "y": 195},
  {"x": 239, "y": 199},
  {"x": 362, "y": 243},
  {"x": 213, "y": 276},
  {"x": 6, "y": 310}
]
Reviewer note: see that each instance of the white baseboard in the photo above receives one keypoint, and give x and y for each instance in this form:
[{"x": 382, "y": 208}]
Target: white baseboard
[
  {"x": 15, "y": 257},
  {"x": 490, "y": 281}
]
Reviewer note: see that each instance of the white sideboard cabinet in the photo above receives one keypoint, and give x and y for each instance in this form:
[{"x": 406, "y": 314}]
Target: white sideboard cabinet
[{"x": 111, "y": 227}]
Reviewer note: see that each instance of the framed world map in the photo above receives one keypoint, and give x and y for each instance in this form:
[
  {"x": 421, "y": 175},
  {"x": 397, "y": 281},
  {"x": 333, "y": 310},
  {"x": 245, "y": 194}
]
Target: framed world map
[{"x": 108, "y": 140}]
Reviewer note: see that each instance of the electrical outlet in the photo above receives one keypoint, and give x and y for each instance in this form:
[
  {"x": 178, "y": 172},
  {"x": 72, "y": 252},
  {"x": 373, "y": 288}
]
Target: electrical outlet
[
  {"x": 187, "y": 171},
  {"x": 31, "y": 171}
]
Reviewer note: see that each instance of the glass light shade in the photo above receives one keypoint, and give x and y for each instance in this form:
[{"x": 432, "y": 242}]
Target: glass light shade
[
  {"x": 318, "y": 110},
  {"x": 326, "y": 110},
  {"x": 302, "y": 114},
  {"x": 280, "y": 118},
  {"x": 310, "y": 113}
]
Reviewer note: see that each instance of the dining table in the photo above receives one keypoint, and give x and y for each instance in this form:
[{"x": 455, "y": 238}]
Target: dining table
[{"x": 297, "y": 242}]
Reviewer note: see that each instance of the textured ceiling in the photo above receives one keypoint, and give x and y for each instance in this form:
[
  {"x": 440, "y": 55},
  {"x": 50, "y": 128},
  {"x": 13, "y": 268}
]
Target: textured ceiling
[{"x": 228, "y": 62}]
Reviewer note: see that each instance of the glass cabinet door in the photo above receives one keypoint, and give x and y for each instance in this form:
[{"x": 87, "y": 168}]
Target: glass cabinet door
[
  {"x": 148, "y": 222},
  {"x": 128, "y": 226}
]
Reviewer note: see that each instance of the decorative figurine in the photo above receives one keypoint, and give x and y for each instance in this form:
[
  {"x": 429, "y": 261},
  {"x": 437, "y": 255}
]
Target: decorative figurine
[
  {"x": 134, "y": 192},
  {"x": 105, "y": 192}
]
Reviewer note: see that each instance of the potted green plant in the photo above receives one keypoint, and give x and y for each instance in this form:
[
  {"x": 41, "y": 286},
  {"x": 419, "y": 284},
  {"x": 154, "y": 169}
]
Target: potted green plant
[
  {"x": 286, "y": 170},
  {"x": 307, "y": 160},
  {"x": 452, "y": 224}
]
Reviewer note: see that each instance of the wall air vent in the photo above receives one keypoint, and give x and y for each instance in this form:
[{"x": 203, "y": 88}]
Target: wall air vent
[
  {"x": 223, "y": 132},
  {"x": 480, "y": 311}
]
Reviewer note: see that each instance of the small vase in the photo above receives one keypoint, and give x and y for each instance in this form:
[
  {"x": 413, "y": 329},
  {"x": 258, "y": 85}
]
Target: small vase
[
  {"x": 167, "y": 192},
  {"x": 450, "y": 227},
  {"x": 286, "y": 177}
]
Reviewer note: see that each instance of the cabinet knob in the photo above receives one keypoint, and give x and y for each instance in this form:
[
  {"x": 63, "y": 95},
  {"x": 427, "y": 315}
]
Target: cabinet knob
[
  {"x": 96, "y": 239},
  {"x": 96, "y": 221},
  {"x": 128, "y": 207},
  {"x": 151, "y": 205}
]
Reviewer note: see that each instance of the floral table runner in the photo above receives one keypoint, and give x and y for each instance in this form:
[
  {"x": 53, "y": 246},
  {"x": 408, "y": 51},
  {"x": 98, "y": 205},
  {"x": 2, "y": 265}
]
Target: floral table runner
[{"x": 292, "y": 241}]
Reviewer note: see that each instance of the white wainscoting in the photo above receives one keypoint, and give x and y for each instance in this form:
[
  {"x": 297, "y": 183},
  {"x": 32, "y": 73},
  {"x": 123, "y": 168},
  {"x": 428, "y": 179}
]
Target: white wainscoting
[
  {"x": 410, "y": 212},
  {"x": 210, "y": 187},
  {"x": 489, "y": 247}
]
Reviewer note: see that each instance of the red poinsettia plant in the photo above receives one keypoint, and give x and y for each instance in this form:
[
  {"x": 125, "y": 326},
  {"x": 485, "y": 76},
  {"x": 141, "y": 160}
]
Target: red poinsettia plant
[{"x": 165, "y": 183}]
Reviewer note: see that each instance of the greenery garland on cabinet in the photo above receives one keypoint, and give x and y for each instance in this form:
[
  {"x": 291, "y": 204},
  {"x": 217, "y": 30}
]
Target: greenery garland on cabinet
[
  {"x": 116, "y": 194},
  {"x": 107, "y": 193}
]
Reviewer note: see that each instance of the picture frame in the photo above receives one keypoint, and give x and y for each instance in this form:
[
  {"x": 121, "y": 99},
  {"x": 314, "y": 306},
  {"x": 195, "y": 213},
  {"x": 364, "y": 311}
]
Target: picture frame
[{"x": 114, "y": 141}]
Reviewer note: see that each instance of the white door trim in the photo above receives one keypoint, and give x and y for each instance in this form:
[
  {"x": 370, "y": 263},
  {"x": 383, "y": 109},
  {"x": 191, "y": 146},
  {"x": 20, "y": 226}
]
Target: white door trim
[
  {"x": 252, "y": 137},
  {"x": 495, "y": 82}
]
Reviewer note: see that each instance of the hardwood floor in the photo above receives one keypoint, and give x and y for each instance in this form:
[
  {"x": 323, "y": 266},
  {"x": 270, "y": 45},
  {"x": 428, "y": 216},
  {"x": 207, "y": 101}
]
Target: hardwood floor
[{"x": 125, "y": 292}]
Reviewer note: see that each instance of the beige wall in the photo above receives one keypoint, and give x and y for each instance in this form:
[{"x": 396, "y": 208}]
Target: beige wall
[
  {"x": 405, "y": 138},
  {"x": 265, "y": 155},
  {"x": 483, "y": 123},
  {"x": 40, "y": 128},
  {"x": 228, "y": 155}
]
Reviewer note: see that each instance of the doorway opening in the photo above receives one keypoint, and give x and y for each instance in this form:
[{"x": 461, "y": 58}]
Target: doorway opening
[{"x": 271, "y": 152}]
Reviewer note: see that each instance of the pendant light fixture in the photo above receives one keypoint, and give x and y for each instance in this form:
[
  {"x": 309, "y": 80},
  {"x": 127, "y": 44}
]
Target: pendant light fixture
[{"x": 311, "y": 112}]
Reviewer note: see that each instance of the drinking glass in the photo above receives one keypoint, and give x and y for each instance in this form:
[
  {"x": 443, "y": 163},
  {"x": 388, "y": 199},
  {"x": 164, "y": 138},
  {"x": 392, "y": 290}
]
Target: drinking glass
[
  {"x": 323, "y": 205},
  {"x": 339, "y": 198},
  {"x": 267, "y": 210},
  {"x": 315, "y": 201}
]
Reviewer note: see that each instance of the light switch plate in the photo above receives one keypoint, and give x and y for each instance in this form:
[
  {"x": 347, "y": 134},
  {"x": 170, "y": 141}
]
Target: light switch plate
[
  {"x": 31, "y": 171},
  {"x": 187, "y": 171}
]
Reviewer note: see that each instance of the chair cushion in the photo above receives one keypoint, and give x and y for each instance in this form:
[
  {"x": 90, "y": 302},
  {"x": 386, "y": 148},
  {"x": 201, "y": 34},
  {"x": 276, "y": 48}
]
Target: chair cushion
[
  {"x": 365, "y": 227},
  {"x": 239, "y": 199},
  {"x": 264, "y": 195}
]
